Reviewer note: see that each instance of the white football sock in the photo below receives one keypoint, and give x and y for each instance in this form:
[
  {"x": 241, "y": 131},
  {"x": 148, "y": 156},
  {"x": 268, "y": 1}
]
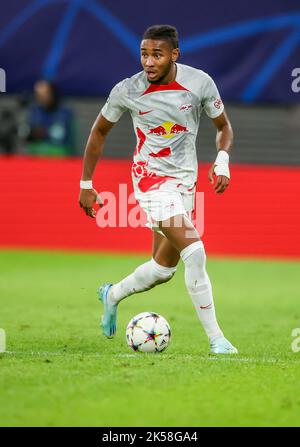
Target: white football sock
[
  {"x": 143, "y": 278},
  {"x": 199, "y": 287}
]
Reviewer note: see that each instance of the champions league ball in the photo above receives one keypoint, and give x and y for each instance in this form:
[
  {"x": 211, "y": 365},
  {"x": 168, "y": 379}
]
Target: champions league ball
[{"x": 148, "y": 332}]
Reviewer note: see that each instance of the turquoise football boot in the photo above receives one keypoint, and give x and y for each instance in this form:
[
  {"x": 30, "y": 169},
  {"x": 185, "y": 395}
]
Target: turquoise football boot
[
  {"x": 109, "y": 319},
  {"x": 221, "y": 345}
]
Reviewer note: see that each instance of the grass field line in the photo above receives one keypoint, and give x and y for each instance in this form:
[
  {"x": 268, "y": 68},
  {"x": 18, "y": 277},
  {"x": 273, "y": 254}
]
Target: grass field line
[
  {"x": 226, "y": 358},
  {"x": 229, "y": 358}
]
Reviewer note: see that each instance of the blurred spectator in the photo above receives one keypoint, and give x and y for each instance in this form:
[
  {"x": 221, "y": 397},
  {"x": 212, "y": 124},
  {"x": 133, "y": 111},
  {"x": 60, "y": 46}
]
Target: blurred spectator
[
  {"x": 8, "y": 131},
  {"x": 51, "y": 125}
]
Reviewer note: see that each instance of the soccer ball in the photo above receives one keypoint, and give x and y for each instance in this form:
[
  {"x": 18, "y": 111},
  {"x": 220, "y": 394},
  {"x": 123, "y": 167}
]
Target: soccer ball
[{"x": 148, "y": 332}]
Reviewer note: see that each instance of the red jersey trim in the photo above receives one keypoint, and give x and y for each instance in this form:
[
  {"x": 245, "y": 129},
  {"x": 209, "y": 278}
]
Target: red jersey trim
[{"x": 160, "y": 87}]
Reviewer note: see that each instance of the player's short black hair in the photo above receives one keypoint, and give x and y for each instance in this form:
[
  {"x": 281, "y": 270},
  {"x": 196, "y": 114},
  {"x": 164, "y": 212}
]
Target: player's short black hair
[{"x": 163, "y": 32}]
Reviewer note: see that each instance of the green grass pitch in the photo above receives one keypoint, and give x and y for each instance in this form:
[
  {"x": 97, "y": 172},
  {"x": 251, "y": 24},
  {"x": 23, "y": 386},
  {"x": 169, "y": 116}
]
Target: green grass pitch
[{"x": 59, "y": 369}]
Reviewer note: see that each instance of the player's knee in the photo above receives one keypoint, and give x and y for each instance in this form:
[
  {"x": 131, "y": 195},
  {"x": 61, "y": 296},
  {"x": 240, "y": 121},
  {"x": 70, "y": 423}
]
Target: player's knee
[
  {"x": 194, "y": 254},
  {"x": 163, "y": 277},
  {"x": 161, "y": 273},
  {"x": 194, "y": 259},
  {"x": 151, "y": 273}
]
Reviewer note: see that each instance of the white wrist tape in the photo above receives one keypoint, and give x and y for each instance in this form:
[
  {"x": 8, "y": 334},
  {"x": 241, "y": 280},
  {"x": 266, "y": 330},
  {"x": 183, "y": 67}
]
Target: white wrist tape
[
  {"x": 86, "y": 184},
  {"x": 222, "y": 164}
]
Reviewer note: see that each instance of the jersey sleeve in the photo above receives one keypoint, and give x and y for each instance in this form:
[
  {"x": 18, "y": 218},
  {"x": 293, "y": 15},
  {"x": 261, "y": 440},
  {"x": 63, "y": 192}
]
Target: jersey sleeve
[
  {"x": 212, "y": 102},
  {"x": 114, "y": 107}
]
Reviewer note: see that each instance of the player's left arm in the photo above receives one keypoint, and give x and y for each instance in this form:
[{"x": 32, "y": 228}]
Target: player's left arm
[{"x": 224, "y": 140}]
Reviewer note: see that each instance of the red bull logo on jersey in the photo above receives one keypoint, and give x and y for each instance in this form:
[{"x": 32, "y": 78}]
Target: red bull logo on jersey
[{"x": 168, "y": 129}]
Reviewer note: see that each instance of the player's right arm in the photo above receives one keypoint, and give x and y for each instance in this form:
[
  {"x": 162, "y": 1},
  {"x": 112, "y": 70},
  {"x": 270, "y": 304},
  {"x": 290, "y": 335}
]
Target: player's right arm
[
  {"x": 92, "y": 153},
  {"x": 110, "y": 114}
]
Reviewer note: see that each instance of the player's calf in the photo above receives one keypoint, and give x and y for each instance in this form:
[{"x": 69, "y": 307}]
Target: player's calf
[{"x": 145, "y": 277}]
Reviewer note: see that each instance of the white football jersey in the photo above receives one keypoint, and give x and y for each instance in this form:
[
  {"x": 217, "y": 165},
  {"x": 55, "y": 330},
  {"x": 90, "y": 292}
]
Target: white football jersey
[{"x": 166, "y": 119}]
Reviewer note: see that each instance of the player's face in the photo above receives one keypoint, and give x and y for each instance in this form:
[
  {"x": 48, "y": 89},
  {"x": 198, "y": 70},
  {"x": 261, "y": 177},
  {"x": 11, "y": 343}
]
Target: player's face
[{"x": 157, "y": 59}]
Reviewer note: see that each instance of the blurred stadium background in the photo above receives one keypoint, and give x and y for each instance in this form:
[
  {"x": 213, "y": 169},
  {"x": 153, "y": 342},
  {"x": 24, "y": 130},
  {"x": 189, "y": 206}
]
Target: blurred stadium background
[{"x": 86, "y": 47}]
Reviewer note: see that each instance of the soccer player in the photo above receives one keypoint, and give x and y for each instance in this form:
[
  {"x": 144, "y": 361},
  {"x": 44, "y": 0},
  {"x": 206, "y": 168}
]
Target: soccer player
[{"x": 165, "y": 101}]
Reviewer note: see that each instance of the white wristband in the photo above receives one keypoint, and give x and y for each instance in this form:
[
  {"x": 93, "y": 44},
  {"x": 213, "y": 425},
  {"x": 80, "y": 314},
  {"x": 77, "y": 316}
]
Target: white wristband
[
  {"x": 222, "y": 157},
  {"x": 222, "y": 164},
  {"x": 86, "y": 184}
]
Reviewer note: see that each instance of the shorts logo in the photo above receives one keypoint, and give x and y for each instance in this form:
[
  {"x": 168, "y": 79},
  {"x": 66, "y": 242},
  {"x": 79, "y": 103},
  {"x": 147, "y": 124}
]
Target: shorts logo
[
  {"x": 218, "y": 103},
  {"x": 168, "y": 130},
  {"x": 185, "y": 108}
]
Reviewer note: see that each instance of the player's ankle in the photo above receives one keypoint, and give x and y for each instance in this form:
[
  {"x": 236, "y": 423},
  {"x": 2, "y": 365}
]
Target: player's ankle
[
  {"x": 214, "y": 337},
  {"x": 110, "y": 297}
]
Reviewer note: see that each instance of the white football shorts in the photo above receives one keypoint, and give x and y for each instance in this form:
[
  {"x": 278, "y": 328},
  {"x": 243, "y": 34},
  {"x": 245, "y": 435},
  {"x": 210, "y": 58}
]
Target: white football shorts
[{"x": 161, "y": 205}]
